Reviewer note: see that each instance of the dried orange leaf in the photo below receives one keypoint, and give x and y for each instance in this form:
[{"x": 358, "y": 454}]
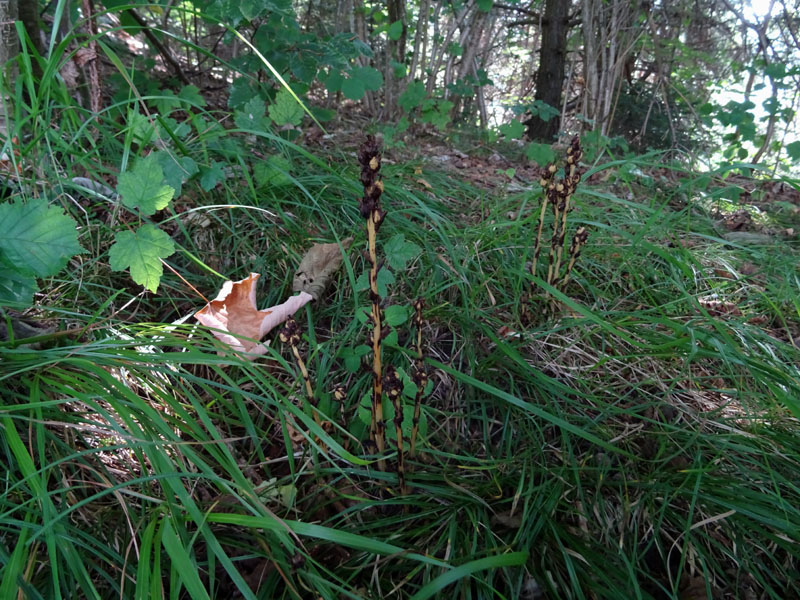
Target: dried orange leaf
[
  {"x": 317, "y": 266},
  {"x": 234, "y": 316}
]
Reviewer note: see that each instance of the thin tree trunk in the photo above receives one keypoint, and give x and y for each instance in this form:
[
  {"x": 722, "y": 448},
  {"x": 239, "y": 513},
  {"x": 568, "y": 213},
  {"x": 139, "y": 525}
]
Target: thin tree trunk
[{"x": 552, "y": 61}]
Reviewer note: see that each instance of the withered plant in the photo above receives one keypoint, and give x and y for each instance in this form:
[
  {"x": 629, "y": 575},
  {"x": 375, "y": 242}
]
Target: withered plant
[
  {"x": 370, "y": 159},
  {"x": 420, "y": 376},
  {"x": 290, "y": 334},
  {"x": 558, "y": 195}
]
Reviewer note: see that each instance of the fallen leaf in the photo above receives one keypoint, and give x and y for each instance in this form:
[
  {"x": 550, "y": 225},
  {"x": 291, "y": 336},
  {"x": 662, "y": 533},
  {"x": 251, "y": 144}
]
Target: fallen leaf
[
  {"x": 317, "y": 266},
  {"x": 234, "y": 313}
]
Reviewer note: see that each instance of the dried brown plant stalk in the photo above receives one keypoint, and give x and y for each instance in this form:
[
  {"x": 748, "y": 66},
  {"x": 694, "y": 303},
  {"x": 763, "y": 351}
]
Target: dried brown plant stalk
[
  {"x": 420, "y": 376},
  {"x": 570, "y": 185},
  {"x": 558, "y": 194},
  {"x": 393, "y": 386},
  {"x": 290, "y": 334},
  {"x": 546, "y": 181},
  {"x": 578, "y": 240},
  {"x": 370, "y": 159}
]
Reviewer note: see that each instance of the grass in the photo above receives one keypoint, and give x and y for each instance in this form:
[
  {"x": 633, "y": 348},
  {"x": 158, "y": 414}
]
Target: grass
[{"x": 637, "y": 445}]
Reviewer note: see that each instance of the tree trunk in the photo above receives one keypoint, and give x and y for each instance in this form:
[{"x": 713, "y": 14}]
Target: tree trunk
[
  {"x": 9, "y": 46},
  {"x": 396, "y": 53},
  {"x": 552, "y": 61}
]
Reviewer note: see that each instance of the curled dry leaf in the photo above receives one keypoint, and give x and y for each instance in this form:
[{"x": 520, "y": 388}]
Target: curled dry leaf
[
  {"x": 233, "y": 312},
  {"x": 317, "y": 266}
]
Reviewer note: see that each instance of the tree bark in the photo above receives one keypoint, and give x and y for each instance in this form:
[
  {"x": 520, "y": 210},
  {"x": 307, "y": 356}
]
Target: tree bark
[{"x": 550, "y": 74}]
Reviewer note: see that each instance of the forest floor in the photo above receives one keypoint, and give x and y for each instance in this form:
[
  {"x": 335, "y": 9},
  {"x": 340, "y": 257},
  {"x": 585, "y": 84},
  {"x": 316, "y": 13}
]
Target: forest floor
[{"x": 630, "y": 434}]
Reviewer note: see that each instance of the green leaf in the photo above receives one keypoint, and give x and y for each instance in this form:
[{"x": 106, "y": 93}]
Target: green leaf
[
  {"x": 272, "y": 171},
  {"x": 333, "y": 81},
  {"x": 285, "y": 110},
  {"x": 252, "y": 115},
  {"x": 438, "y": 114},
  {"x": 242, "y": 90},
  {"x": 412, "y": 97},
  {"x": 353, "y": 88},
  {"x": 177, "y": 170},
  {"x": 485, "y": 5},
  {"x": 370, "y": 78},
  {"x": 793, "y": 150},
  {"x": 541, "y": 154},
  {"x": 142, "y": 187},
  {"x": 36, "y": 237},
  {"x": 395, "y": 30},
  {"x": 352, "y": 357},
  {"x": 191, "y": 95},
  {"x": 512, "y": 130},
  {"x": 211, "y": 176},
  {"x": 395, "y": 315},
  {"x": 15, "y": 284},
  {"x": 385, "y": 279},
  {"x": 399, "y": 252},
  {"x": 141, "y": 251},
  {"x": 184, "y": 565}
]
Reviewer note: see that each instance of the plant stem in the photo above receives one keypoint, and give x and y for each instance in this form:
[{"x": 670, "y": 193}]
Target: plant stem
[
  {"x": 370, "y": 159},
  {"x": 420, "y": 376}
]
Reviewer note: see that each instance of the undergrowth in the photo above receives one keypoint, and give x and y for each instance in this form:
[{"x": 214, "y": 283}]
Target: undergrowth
[{"x": 641, "y": 442}]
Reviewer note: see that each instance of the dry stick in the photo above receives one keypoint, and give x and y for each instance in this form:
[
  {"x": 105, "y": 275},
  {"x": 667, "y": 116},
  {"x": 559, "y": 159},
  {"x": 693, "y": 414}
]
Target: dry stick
[
  {"x": 420, "y": 376},
  {"x": 394, "y": 389},
  {"x": 290, "y": 334},
  {"x": 370, "y": 160}
]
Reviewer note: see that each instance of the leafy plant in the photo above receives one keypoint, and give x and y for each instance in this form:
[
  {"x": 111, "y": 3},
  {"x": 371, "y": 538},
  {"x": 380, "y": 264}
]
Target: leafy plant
[{"x": 36, "y": 241}]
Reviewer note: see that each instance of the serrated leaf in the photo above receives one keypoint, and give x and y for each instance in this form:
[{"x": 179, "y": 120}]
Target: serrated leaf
[
  {"x": 285, "y": 110},
  {"x": 176, "y": 169},
  {"x": 333, "y": 81},
  {"x": 272, "y": 171},
  {"x": 369, "y": 77},
  {"x": 36, "y": 237},
  {"x": 252, "y": 115},
  {"x": 353, "y": 88},
  {"x": 395, "y": 30},
  {"x": 385, "y": 279},
  {"x": 512, "y": 130},
  {"x": 242, "y": 90},
  {"x": 15, "y": 285},
  {"x": 352, "y": 357},
  {"x": 541, "y": 154},
  {"x": 793, "y": 150},
  {"x": 211, "y": 176},
  {"x": 399, "y": 252},
  {"x": 395, "y": 315},
  {"x": 192, "y": 96},
  {"x": 141, "y": 128},
  {"x": 141, "y": 251},
  {"x": 412, "y": 97},
  {"x": 143, "y": 187}
]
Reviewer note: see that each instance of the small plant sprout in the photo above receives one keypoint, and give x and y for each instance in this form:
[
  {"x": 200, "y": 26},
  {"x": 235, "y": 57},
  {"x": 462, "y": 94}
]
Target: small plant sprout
[
  {"x": 420, "y": 376},
  {"x": 370, "y": 159}
]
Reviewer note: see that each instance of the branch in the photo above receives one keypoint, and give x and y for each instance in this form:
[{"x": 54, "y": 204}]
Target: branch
[{"x": 162, "y": 50}]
